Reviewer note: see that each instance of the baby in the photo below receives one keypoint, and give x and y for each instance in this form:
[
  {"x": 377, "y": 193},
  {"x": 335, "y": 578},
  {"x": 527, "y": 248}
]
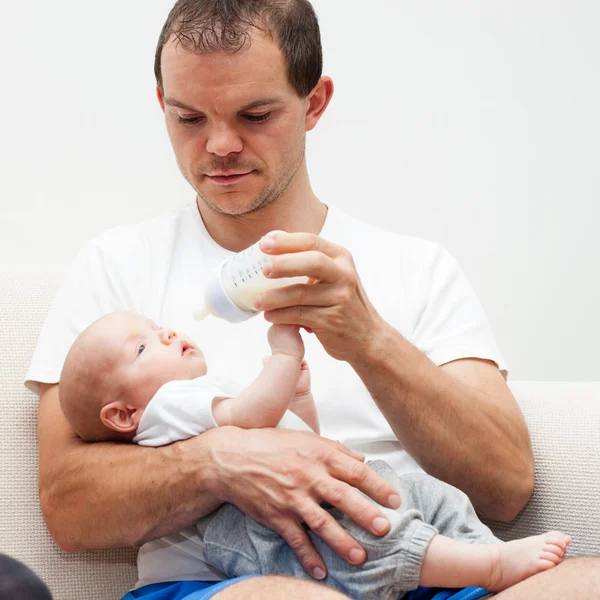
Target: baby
[{"x": 125, "y": 378}]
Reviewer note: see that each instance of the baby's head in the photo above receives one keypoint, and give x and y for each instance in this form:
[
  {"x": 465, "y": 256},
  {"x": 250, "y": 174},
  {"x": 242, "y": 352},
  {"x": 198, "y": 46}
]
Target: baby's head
[{"x": 113, "y": 370}]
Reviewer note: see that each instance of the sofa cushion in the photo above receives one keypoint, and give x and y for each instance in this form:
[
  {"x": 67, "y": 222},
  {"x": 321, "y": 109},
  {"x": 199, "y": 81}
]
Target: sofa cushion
[{"x": 103, "y": 575}]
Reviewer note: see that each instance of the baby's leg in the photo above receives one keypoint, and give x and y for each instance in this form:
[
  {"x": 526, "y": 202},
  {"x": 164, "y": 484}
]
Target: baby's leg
[
  {"x": 495, "y": 567},
  {"x": 466, "y": 552},
  {"x": 410, "y": 554},
  {"x": 444, "y": 507},
  {"x": 236, "y": 545}
]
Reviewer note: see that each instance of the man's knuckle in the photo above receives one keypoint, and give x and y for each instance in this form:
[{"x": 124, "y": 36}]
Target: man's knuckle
[
  {"x": 358, "y": 474},
  {"x": 318, "y": 521},
  {"x": 296, "y": 541},
  {"x": 344, "y": 295},
  {"x": 314, "y": 242},
  {"x": 341, "y": 447},
  {"x": 338, "y": 320},
  {"x": 336, "y": 495},
  {"x": 321, "y": 261},
  {"x": 346, "y": 254}
]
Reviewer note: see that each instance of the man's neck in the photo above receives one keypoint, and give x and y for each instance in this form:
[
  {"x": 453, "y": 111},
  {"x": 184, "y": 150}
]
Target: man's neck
[{"x": 289, "y": 212}]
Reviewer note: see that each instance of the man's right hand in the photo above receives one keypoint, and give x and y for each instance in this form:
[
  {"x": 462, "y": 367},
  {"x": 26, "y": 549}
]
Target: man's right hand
[{"x": 280, "y": 478}]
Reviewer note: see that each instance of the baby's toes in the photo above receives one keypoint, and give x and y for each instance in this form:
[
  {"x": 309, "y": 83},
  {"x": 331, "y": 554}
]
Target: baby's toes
[
  {"x": 554, "y": 549},
  {"x": 551, "y": 556},
  {"x": 558, "y": 539}
]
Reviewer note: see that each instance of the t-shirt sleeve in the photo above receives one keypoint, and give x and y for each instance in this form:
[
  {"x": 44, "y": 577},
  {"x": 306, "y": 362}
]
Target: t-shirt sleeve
[
  {"x": 101, "y": 280},
  {"x": 450, "y": 322},
  {"x": 179, "y": 410}
]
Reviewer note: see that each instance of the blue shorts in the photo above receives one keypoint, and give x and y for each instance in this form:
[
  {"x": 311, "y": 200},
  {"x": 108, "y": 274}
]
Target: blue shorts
[
  {"x": 180, "y": 590},
  {"x": 426, "y": 593},
  {"x": 203, "y": 590}
]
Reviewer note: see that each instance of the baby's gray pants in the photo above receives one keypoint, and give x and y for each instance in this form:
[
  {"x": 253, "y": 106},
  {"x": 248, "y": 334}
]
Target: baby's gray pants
[{"x": 237, "y": 545}]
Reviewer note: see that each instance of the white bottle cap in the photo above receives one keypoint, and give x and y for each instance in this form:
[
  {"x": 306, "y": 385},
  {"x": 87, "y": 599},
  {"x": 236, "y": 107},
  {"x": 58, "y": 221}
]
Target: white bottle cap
[{"x": 217, "y": 302}]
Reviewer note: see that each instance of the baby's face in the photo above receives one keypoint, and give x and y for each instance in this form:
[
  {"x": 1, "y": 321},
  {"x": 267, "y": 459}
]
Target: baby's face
[{"x": 148, "y": 356}]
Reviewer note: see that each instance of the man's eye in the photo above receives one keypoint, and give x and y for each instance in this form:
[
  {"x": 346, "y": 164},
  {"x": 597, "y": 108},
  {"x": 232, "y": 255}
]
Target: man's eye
[
  {"x": 188, "y": 120},
  {"x": 258, "y": 118},
  {"x": 141, "y": 348}
]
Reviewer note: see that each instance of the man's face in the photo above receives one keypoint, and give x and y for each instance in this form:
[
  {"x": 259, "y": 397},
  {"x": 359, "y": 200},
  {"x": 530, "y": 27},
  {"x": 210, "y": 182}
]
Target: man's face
[{"x": 235, "y": 123}]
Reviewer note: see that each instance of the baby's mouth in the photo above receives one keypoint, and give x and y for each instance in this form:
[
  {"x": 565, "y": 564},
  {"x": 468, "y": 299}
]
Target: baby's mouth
[{"x": 185, "y": 347}]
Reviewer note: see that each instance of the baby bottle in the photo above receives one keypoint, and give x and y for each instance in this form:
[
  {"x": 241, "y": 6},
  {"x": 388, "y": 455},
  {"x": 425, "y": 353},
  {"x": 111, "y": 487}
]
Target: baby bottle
[{"x": 232, "y": 288}]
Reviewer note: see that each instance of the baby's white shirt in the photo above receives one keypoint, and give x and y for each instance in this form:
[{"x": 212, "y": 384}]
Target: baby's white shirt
[{"x": 182, "y": 409}]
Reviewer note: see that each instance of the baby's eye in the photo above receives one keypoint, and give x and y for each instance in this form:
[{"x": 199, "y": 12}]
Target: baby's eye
[{"x": 141, "y": 348}]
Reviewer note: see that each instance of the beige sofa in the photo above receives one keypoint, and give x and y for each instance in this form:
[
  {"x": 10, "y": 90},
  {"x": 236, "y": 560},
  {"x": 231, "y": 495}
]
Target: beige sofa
[{"x": 564, "y": 419}]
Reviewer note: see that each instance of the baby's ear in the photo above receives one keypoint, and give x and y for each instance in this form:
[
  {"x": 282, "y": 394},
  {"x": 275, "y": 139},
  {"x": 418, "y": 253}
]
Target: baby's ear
[{"x": 120, "y": 417}]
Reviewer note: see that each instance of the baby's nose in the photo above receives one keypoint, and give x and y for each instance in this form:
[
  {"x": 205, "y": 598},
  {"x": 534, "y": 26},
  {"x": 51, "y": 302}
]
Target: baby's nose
[{"x": 167, "y": 335}]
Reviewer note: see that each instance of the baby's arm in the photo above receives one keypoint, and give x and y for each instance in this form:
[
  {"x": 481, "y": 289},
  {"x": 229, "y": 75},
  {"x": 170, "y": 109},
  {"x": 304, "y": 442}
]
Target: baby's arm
[{"x": 265, "y": 400}]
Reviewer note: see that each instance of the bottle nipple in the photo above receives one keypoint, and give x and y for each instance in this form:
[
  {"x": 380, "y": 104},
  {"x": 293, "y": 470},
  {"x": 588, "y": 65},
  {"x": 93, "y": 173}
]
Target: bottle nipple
[{"x": 202, "y": 312}]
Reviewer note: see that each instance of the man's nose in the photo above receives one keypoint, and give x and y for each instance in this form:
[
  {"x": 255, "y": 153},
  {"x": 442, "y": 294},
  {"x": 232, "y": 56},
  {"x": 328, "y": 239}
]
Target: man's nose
[
  {"x": 223, "y": 140},
  {"x": 166, "y": 335}
]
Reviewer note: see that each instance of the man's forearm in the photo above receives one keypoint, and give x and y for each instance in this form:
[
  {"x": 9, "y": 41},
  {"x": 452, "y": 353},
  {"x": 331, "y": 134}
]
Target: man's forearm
[
  {"x": 124, "y": 495},
  {"x": 475, "y": 441}
]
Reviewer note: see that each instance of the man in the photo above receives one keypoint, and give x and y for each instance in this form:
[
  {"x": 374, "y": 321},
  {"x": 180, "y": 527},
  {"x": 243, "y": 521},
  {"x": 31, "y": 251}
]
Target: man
[{"x": 240, "y": 85}]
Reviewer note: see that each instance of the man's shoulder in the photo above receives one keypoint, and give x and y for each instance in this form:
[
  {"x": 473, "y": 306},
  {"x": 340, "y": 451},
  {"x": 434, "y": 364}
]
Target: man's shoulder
[
  {"x": 357, "y": 234},
  {"x": 148, "y": 232}
]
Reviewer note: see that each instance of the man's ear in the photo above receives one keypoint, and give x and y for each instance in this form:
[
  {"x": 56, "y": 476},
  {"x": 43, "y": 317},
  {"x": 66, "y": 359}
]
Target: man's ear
[
  {"x": 120, "y": 417},
  {"x": 161, "y": 101},
  {"x": 318, "y": 100}
]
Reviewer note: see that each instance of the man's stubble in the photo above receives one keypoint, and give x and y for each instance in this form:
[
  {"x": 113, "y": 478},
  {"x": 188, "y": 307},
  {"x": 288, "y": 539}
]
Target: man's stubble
[{"x": 272, "y": 190}]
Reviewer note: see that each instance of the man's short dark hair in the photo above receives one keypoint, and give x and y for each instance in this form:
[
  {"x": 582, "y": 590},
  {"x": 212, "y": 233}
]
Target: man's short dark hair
[{"x": 224, "y": 26}]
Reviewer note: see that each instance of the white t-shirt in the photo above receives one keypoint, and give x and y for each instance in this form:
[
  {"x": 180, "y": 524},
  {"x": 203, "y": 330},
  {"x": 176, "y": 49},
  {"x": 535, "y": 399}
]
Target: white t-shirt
[
  {"x": 157, "y": 268},
  {"x": 182, "y": 408}
]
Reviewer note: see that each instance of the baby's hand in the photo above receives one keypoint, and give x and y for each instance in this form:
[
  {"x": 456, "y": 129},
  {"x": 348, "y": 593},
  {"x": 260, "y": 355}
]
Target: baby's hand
[{"x": 285, "y": 339}]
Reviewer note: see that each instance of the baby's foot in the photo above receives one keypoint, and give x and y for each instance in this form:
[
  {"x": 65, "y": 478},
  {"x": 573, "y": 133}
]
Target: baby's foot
[{"x": 517, "y": 560}]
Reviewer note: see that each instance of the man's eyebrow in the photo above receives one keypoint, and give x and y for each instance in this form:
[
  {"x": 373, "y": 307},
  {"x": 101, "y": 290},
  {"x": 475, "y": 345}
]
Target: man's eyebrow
[
  {"x": 255, "y": 104},
  {"x": 173, "y": 102},
  {"x": 261, "y": 102}
]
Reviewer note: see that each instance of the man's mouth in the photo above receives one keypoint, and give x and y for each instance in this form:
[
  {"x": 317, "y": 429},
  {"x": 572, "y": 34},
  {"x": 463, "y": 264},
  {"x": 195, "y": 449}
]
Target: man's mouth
[{"x": 227, "y": 178}]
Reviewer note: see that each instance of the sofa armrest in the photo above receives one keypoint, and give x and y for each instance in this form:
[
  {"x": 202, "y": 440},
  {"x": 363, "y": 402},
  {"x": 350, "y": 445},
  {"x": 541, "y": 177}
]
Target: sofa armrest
[{"x": 564, "y": 423}]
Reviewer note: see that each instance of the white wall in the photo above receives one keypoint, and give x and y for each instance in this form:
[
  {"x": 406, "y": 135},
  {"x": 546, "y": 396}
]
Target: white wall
[{"x": 472, "y": 123}]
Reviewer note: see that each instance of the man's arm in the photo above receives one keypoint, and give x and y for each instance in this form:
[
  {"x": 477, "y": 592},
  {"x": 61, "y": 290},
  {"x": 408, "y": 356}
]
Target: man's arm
[
  {"x": 459, "y": 421},
  {"x": 80, "y": 485},
  {"x": 108, "y": 495}
]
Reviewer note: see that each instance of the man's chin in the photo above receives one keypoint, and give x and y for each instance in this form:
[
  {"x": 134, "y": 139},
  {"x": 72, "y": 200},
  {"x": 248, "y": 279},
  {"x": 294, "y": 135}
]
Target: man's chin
[{"x": 232, "y": 203}]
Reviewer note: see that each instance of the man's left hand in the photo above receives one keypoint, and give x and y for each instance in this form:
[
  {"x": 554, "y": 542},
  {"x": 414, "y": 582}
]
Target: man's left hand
[{"x": 333, "y": 305}]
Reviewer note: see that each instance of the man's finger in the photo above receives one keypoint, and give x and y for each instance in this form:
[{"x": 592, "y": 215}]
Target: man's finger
[
  {"x": 299, "y": 294},
  {"x": 298, "y": 540},
  {"x": 344, "y": 449},
  {"x": 282, "y": 242},
  {"x": 315, "y": 265},
  {"x": 294, "y": 315},
  {"x": 361, "y": 476},
  {"x": 323, "y": 524}
]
